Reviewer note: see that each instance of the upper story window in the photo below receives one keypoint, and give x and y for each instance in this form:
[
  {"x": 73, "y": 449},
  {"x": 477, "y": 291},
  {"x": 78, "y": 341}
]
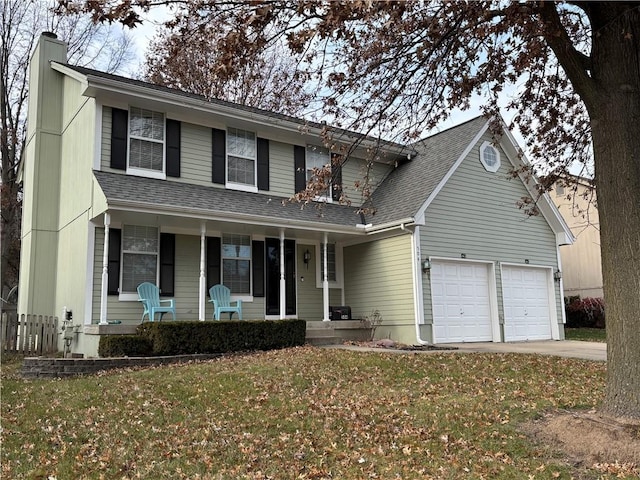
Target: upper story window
[
  {"x": 140, "y": 246},
  {"x": 236, "y": 263},
  {"x": 241, "y": 158},
  {"x": 146, "y": 140},
  {"x": 144, "y": 143},
  {"x": 559, "y": 190},
  {"x": 489, "y": 157},
  {"x": 318, "y": 158}
]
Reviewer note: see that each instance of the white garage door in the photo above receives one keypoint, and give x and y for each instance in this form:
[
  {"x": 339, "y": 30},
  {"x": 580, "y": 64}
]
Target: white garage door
[
  {"x": 460, "y": 302},
  {"x": 526, "y": 303}
]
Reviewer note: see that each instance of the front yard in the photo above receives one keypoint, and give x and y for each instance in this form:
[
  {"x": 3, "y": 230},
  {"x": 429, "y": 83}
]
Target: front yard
[
  {"x": 586, "y": 334},
  {"x": 298, "y": 413}
]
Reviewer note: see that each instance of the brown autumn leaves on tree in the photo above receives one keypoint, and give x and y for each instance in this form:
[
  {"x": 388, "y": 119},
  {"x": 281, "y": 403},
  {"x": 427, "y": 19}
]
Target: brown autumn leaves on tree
[
  {"x": 397, "y": 69},
  {"x": 184, "y": 55},
  {"x": 21, "y": 24}
]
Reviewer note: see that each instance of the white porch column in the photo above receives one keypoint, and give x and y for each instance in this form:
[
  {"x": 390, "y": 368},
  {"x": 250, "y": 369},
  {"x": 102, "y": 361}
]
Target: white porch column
[
  {"x": 283, "y": 282},
  {"x": 105, "y": 271},
  {"x": 325, "y": 281},
  {"x": 203, "y": 279}
]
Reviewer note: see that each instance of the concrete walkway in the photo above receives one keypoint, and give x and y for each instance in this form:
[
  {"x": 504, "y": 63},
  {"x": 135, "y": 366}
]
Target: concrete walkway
[{"x": 565, "y": 348}]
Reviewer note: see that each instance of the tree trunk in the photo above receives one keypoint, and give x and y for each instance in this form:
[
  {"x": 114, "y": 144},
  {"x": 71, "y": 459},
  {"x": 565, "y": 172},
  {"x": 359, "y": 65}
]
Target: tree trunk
[{"x": 616, "y": 140}]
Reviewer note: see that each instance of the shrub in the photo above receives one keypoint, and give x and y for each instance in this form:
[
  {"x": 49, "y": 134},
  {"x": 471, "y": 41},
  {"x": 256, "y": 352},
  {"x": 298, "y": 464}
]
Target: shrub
[
  {"x": 180, "y": 338},
  {"x": 124, "y": 346},
  {"x": 586, "y": 312}
]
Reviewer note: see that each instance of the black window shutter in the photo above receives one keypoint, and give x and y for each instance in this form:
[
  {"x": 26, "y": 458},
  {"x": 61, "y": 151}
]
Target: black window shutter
[
  {"x": 336, "y": 176},
  {"x": 263, "y": 164},
  {"x": 167, "y": 264},
  {"x": 113, "y": 261},
  {"x": 218, "y": 159},
  {"x": 173, "y": 148},
  {"x": 299, "y": 163},
  {"x": 257, "y": 263},
  {"x": 213, "y": 261},
  {"x": 119, "y": 127}
]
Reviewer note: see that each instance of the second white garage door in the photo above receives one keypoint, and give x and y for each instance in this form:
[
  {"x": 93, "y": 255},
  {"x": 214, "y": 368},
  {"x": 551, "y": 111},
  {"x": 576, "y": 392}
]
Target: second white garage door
[
  {"x": 460, "y": 302},
  {"x": 527, "y": 313}
]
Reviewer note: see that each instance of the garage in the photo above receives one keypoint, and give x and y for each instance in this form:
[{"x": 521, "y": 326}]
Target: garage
[
  {"x": 527, "y": 305},
  {"x": 461, "y": 301}
]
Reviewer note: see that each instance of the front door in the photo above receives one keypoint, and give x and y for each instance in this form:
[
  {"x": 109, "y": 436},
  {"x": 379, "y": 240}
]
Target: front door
[{"x": 272, "y": 296}]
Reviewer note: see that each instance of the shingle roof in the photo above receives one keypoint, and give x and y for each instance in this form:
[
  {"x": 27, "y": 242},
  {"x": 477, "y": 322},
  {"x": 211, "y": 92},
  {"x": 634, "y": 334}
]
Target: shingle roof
[
  {"x": 214, "y": 101},
  {"x": 218, "y": 202},
  {"x": 405, "y": 189}
]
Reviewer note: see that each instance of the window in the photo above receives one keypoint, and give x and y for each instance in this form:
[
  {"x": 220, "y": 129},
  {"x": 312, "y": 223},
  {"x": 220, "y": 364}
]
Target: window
[
  {"x": 146, "y": 140},
  {"x": 559, "y": 190},
  {"x": 331, "y": 262},
  {"x": 241, "y": 157},
  {"x": 236, "y": 263},
  {"x": 489, "y": 157},
  {"x": 140, "y": 247},
  {"x": 318, "y": 158}
]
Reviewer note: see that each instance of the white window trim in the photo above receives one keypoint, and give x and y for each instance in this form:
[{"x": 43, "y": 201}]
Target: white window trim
[
  {"x": 133, "y": 296},
  {"x": 241, "y": 186},
  {"x": 245, "y": 297},
  {"x": 489, "y": 168},
  {"x": 146, "y": 172},
  {"x": 339, "y": 281},
  {"x": 319, "y": 198}
]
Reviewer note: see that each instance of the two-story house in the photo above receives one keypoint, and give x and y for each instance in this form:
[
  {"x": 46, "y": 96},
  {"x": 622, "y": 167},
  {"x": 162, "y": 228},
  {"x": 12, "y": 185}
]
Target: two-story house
[{"x": 125, "y": 181}]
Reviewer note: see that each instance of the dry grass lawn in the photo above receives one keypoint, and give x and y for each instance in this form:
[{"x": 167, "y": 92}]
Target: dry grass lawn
[{"x": 305, "y": 413}]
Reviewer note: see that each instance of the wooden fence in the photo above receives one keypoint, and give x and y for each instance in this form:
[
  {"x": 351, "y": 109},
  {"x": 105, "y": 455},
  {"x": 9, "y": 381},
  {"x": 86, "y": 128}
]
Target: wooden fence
[{"x": 29, "y": 334}]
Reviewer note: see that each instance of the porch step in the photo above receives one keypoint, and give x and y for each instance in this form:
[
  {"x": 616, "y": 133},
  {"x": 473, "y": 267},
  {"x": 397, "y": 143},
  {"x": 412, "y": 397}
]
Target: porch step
[{"x": 336, "y": 332}]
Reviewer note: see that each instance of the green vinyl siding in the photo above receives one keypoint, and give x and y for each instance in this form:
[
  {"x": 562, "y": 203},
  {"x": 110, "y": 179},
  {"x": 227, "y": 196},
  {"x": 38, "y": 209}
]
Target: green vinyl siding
[
  {"x": 309, "y": 296},
  {"x": 475, "y": 214},
  {"x": 281, "y": 169},
  {"x": 378, "y": 276},
  {"x": 354, "y": 170},
  {"x": 195, "y": 162},
  {"x": 187, "y": 284},
  {"x": 195, "y": 155},
  {"x": 105, "y": 149}
]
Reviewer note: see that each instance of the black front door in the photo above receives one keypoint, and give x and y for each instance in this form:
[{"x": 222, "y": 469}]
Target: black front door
[{"x": 272, "y": 263}]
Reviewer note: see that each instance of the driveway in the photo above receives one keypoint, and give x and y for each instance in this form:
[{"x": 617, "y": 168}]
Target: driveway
[{"x": 564, "y": 348}]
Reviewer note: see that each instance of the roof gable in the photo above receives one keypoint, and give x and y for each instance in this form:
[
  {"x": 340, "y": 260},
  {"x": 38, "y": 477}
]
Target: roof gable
[{"x": 404, "y": 190}]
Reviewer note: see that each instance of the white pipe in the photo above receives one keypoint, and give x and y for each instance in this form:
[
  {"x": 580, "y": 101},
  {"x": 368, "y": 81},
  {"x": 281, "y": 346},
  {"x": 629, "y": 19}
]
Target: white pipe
[{"x": 418, "y": 304}]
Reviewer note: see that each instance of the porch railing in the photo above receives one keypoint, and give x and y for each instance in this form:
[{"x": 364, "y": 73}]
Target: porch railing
[{"x": 29, "y": 334}]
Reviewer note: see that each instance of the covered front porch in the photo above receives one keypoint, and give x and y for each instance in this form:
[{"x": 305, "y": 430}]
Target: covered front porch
[{"x": 277, "y": 272}]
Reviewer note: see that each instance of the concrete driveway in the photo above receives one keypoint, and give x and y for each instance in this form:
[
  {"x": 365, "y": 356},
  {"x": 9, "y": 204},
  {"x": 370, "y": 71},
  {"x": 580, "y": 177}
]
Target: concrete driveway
[{"x": 563, "y": 348}]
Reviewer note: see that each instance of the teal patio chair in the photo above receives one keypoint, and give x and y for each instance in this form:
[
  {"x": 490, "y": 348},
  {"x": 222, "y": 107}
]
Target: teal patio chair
[
  {"x": 221, "y": 299},
  {"x": 149, "y": 295}
]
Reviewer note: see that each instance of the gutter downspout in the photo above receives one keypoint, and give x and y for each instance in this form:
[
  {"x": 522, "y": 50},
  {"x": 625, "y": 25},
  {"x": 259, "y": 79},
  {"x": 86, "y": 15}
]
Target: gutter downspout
[{"x": 418, "y": 302}]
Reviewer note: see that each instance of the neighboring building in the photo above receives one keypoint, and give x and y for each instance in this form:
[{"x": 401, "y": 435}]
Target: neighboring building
[
  {"x": 126, "y": 181},
  {"x": 581, "y": 262}
]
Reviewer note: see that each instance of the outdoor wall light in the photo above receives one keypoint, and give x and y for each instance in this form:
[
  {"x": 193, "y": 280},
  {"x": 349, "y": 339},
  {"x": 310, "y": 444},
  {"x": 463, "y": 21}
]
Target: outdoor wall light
[
  {"x": 307, "y": 258},
  {"x": 557, "y": 275},
  {"x": 426, "y": 265}
]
